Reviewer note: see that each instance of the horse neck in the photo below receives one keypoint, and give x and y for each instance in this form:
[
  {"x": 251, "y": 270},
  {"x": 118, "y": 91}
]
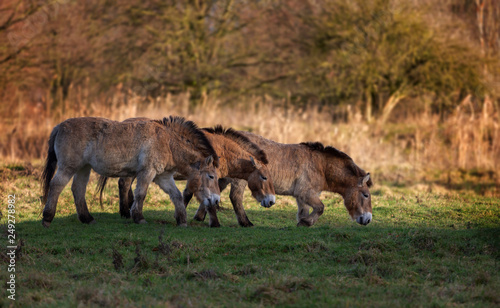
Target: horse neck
[
  {"x": 239, "y": 165},
  {"x": 235, "y": 161},
  {"x": 338, "y": 176},
  {"x": 241, "y": 168},
  {"x": 184, "y": 156}
]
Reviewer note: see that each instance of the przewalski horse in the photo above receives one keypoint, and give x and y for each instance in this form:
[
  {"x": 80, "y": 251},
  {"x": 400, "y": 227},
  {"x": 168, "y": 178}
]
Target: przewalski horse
[
  {"x": 149, "y": 150},
  {"x": 304, "y": 171},
  {"x": 236, "y": 166},
  {"x": 239, "y": 159}
]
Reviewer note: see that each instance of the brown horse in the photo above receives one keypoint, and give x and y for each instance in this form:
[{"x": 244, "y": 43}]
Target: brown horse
[
  {"x": 304, "y": 171},
  {"x": 235, "y": 166},
  {"x": 149, "y": 150},
  {"x": 239, "y": 159}
]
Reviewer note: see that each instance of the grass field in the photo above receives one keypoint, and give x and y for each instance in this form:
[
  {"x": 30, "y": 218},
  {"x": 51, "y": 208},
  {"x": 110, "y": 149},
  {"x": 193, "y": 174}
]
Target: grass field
[{"x": 422, "y": 249}]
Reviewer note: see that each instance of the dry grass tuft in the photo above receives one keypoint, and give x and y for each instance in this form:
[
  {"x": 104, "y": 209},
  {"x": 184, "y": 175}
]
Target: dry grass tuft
[{"x": 468, "y": 139}]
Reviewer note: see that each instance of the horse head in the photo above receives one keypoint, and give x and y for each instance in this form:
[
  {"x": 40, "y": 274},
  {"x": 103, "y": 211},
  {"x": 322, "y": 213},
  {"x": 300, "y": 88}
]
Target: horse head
[
  {"x": 203, "y": 182},
  {"x": 358, "y": 202},
  {"x": 261, "y": 184}
]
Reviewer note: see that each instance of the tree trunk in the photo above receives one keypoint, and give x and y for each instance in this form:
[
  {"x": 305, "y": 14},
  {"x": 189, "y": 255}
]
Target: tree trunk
[
  {"x": 369, "y": 107},
  {"x": 389, "y": 106}
]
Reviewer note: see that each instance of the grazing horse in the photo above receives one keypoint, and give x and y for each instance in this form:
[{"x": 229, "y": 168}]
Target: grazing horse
[
  {"x": 149, "y": 150},
  {"x": 305, "y": 170},
  {"x": 239, "y": 159}
]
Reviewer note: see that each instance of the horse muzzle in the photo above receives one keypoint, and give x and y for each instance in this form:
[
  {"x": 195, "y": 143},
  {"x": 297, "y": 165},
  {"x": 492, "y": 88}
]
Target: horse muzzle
[
  {"x": 213, "y": 200},
  {"x": 364, "y": 219},
  {"x": 268, "y": 201}
]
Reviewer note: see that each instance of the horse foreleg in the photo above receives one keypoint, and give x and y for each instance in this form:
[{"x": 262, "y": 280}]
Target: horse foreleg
[
  {"x": 302, "y": 209},
  {"x": 79, "y": 187},
  {"x": 141, "y": 189},
  {"x": 236, "y": 197},
  {"x": 317, "y": 206},
  {"x": 212, "y": 214},
  {"x": 167, "y": 184},
  {"x": 57, "y": 184},
  {"x": 126, "y": 196},
  {"x": 201, "y": 213}
]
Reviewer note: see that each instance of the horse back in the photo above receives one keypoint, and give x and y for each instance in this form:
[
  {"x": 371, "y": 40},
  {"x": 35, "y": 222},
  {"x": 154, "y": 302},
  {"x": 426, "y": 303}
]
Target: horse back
[
  {"x": 293, "y": 167},
  {"x": 112, "y": 148}
]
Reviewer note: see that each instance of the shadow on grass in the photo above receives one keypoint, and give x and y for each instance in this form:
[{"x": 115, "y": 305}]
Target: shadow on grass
[
  {"x": 263, "y": 258},
  {"x": 111, "y": 229}
]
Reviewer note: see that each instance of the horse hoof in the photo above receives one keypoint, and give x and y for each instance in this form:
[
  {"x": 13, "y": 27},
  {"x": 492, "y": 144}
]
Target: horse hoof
[
  {"x": 197, "y": 218},
  {"x": 184, "y": 225},
  {"x": 45, "y": 223},
  {"x": 141, "y": 222},
  {"x": 92, "y": 222},
  {"x": 246, "y": 225},
  {"x": 125, "y": 215},
  {"x": 86, "y": 219},
  {"x": 303, "y": 223},
  {"x": 217, "y": 225}
]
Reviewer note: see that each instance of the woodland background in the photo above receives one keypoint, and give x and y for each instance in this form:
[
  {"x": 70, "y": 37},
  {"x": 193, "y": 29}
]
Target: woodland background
[{"x": 403, "y": 87}]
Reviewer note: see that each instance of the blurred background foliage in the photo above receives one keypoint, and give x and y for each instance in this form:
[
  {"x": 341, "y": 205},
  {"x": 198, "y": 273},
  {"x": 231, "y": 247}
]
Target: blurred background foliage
[
  {"x": 376, "y": 55},
  {"x": 409, "y": 89}
]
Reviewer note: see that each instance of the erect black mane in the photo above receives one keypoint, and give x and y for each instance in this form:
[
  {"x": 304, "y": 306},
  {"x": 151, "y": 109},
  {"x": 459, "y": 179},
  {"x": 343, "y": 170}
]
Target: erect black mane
[
  {"x": 203, "y": 145},
  {"x": 241, "y": 140},
  {"x": 318, "y": 146},
  {"x": 329, "y": 150}
]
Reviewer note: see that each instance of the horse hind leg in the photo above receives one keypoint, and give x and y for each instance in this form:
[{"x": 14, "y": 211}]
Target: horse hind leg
[
  {"x": 143, "y": 180},
  {"x": 236, "y": 197},
  {"x": 79, "y": 188},
  {"x": 56, "y": 186},
  {"x": 126, "y": 196}
]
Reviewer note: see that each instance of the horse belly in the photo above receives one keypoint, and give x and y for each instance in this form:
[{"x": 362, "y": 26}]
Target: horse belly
[
  {"x": 283, "y": 190},
  {"x": 283, "y": 185},
  {"x": 115, "y": 170},
  {"x": 115, "y": 164}
]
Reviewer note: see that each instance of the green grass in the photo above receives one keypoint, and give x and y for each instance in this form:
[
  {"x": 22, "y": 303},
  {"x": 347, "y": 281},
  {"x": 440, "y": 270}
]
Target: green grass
[{"x": 422, "y": 249}]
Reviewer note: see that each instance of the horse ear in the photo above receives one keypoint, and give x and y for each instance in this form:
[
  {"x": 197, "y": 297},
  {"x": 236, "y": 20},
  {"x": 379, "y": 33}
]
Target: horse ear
[
  {"x": 209, "y": 160},
  {"x": 196, "y": 165},
  {"x": 255, "y": 164},
  {"x": 369, "y": 182},
  {"x": 365, "y": 180}
]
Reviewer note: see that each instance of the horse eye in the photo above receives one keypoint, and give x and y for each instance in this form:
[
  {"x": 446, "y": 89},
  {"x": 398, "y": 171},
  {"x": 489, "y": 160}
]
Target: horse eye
[
  {"x": 211, "y": 176},
  {"x": 263, "y": 178},
  {"x": 366, "y": 195}
]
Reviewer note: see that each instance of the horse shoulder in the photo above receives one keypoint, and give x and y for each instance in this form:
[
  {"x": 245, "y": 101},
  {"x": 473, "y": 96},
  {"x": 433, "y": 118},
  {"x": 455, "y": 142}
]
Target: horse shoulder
[{"x": 160, "y": 150}]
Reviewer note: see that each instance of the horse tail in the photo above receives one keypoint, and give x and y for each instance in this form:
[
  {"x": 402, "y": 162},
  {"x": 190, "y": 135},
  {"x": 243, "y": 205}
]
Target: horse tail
[
  {"x": 50, "y": 165},
  {"x": 101, "y": 183}
]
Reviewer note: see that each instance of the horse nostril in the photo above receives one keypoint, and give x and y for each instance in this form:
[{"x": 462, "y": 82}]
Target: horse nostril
[
  {"x": 368, "y": 221},
  {"x": 271, "y": 203}
]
